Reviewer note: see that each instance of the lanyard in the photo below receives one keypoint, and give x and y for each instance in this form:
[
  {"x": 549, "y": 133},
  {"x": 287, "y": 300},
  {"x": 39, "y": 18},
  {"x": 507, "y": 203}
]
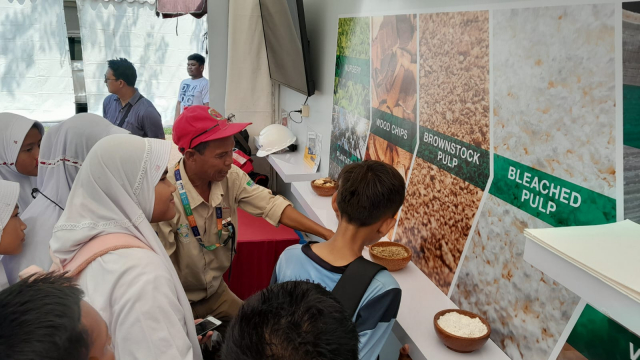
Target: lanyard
[{"x": 192, "y": 219}]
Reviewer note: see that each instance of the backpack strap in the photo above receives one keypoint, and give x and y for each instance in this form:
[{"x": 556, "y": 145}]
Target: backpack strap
[
  {"x": 92, "y": 250},
  {"x": 126, "y": 113},
  {"x": 100, "y": 246},
  {"x": 354, "y": 282}
]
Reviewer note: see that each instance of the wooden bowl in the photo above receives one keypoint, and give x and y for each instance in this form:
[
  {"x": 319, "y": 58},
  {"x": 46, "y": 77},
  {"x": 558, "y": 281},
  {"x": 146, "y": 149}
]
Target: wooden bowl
[
  {"x": 458, "y": 343},
  {"x": 390, "y": 264},
  {"x": 324, "y": 190}
]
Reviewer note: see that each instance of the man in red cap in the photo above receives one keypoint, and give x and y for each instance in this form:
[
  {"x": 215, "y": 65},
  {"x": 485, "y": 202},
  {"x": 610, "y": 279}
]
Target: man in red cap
[{"x": 210, "y": 190}]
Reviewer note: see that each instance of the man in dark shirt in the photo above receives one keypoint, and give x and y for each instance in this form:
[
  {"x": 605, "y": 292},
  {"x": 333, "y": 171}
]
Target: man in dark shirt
[{"x": 125, "y": 107}]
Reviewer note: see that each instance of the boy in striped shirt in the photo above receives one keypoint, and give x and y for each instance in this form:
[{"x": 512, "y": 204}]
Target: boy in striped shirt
[{"x": 369, "y": 195}]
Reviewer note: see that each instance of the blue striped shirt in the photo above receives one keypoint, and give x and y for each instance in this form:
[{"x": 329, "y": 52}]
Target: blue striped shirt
[{"x": 378, "y": 308}]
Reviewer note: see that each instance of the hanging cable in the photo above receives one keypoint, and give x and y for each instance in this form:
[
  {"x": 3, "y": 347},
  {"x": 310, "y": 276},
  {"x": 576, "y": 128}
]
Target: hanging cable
[
  {"x": 35, "y": 191},
  {"x": 298, "y": 111}
]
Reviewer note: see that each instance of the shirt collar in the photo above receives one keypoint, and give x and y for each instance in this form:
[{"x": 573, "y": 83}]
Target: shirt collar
[
  {"x": 134, "y": 99},
  {"x": 194, "y": 197},
  {"x": 308, "y": 251},
  {"x": 215, "y": 195}
]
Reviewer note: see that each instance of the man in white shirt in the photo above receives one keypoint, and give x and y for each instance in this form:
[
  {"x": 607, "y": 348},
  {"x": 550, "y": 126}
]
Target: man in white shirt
[{"x": 195, "y": 90}]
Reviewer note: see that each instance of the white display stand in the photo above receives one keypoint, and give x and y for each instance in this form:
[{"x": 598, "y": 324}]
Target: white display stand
[
  {"x": 596, "y": 292},
  {"x": 421, "y": 299},
  {"x": 291, "y": 167}
]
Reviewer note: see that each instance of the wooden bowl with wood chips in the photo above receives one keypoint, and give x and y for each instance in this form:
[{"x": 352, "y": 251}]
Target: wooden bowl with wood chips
[
  {"x": 324, "y": 186},
  {"x": 391, "y": 255}
]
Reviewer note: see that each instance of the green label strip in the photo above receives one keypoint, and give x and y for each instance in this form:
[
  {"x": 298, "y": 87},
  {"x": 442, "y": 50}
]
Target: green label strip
[
  {"x": 397, "y": 131},
  {"x": 553, "y": 200},
  {"x": 631, "y": 115},
  {"x": 342, "y": 156},
  {"x": 465, "y": 161},
  {"x": 353, "y": 69},
  {"x": 596, "y": 337}
]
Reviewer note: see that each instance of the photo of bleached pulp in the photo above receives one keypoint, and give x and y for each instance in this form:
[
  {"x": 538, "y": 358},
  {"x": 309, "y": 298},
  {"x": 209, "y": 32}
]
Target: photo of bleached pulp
[
  {"x": 554, "y": 110},
  {"x": 436, "y": 219},
  {"x": 454, "y": 75},
  {"x": 350, "y": 132},
  {"x": 439, "y": 208},
  {"x": 526, "y": 309},
  {"x": 554, "y": 91},
  {"x": 462, "y": 325},
  {"x": 394, "y": 65}
]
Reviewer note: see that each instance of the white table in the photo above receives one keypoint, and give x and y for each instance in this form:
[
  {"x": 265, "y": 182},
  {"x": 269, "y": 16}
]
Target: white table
[
  {"x": 291, "y": 167},
  {"x": 421, "y": 298},
  {"x": 596, "y": 292}
]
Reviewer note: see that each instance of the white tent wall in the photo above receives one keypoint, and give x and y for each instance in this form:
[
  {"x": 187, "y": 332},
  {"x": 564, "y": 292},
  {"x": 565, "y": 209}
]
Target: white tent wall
[
  {"x": 35, "y": 71},
  {"x": 131, "y": 30},
  {"x": 249, "y": 94}
]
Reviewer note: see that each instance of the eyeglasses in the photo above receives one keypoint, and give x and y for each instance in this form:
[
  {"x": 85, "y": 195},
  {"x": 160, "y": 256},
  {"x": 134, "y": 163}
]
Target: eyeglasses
[
  {"x": 223, "y": 124},
  {"x": 107, "y": 79}
]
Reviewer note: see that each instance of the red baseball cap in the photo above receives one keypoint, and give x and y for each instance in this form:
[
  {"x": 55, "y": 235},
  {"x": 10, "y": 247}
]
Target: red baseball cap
[{"x": 199, "y": 123}]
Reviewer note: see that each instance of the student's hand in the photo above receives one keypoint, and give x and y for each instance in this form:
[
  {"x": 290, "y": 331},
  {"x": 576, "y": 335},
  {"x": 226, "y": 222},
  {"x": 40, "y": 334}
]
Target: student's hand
[
  {"x": 207, "y": 338},
  {"x": 404, "y": 353}
]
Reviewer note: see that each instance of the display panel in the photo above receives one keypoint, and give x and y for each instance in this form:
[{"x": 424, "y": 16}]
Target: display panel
[{"x": 515, "y": 127}]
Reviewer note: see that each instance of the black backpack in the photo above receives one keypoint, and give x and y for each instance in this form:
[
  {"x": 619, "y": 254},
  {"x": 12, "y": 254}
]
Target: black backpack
[{"x": 354, "y": 282}]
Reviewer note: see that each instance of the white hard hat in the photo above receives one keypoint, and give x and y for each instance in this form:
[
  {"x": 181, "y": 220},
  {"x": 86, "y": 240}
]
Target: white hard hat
[{"x": 273, "y": 138}]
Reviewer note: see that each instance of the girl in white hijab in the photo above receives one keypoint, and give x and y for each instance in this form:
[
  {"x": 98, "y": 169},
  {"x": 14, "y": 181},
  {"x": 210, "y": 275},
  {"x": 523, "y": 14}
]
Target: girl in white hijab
[
  {"x": 19, "y": 147},
  {"x": 63, "y": 150},
  {"x": 11, "y": 227},
  {"x": 121, "y": 188}
]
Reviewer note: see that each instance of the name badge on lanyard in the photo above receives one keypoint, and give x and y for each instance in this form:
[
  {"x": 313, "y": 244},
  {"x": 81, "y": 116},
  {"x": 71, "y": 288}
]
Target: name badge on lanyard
[{"x": 189, "y": 213}]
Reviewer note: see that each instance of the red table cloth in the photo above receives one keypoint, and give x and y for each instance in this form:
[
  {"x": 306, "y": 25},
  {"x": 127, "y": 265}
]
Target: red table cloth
[{"x": 259, "y": 246}]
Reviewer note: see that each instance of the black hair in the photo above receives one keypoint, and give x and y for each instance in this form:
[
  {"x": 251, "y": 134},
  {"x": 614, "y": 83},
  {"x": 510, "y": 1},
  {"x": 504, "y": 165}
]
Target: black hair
[
  {"x": 369, "y": 191},
  {"x": 202, "y": 147},
  {"x": 198, "y": 58},
  {"x": 291, "y": 321},
  {"x": 41, "y": 318},
  {"x": 123, "y": 70}
]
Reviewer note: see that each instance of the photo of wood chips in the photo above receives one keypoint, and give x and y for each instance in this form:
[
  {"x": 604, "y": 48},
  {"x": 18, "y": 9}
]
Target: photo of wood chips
[
  {"x": 393, "y": 82},
  {"x": 394, "y": 65},
  {"x": 439, "y": 208},
  {"x": 382, "y": 150}
]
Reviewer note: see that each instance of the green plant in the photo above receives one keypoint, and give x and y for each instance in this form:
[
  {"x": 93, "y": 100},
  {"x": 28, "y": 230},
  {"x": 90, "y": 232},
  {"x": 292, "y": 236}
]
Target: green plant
[
  {"x": 353, "y": 37},
  {"x": 353, "y": 97}
]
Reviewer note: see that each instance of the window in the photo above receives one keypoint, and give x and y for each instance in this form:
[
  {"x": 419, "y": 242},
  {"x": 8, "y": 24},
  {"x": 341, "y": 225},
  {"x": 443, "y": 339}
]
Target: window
[{"x": 75, "y": 48}]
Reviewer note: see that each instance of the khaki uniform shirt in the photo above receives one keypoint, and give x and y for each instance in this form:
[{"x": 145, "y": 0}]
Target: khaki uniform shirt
[{"x": 200, "y": 270}]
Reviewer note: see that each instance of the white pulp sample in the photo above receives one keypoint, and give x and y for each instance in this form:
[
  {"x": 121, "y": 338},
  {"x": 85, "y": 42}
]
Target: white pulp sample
[{"x": 462, "y": 325}]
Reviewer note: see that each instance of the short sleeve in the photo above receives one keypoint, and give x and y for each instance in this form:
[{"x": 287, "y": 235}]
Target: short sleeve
[
  {"x": 205, "y": 92},
  {"x": 257, "y": 200},
  {"x": 374, "y": 321},
  {"x": 104, "y": 107},
  {"x": 152, "y": 123}
]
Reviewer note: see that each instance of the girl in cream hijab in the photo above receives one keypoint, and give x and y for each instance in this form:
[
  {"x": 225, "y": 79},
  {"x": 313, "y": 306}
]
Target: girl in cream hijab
[
  {"x": 19, "y": 147},
  {"x": 63, "y": 150},
  {"x": 121, "y": 188}
]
